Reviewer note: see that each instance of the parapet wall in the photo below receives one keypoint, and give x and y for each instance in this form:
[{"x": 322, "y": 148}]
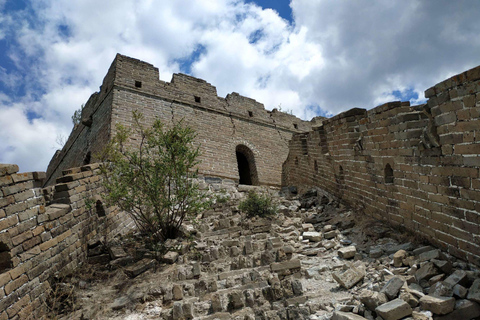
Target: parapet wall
[
  {"x": 223, "y": 125},
  {"x": 417, "y": 167},
  {"x": 44, "y": 232}
]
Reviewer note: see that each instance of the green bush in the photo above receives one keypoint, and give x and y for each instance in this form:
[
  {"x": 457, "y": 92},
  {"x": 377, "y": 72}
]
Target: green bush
[
  {"x": 154, "y": 180},
  {"x": 258, "y": 205}
]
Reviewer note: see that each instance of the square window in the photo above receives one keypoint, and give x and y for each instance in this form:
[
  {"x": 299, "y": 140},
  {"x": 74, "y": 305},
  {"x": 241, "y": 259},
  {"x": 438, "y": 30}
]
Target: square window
[
  {"x": 197, "y": 99},
  {"x": 138, "y": 84}
]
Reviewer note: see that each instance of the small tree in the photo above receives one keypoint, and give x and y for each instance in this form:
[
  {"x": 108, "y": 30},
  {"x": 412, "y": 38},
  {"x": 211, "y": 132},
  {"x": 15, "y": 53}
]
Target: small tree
[
  {"x": 152, "y": 180},
  {"x": 77, "y": 115}
]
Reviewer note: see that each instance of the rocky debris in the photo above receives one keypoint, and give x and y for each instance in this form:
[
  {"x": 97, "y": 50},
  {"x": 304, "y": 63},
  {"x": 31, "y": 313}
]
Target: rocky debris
[{"x": 315, "y": 260}]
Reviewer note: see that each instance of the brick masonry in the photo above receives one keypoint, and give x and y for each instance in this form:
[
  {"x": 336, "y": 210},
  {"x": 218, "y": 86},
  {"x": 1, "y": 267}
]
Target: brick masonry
[
  {"x": 222, "y": 124},
  {"x": 44, "y": 232},
  {"x": 417, "y": 167}
]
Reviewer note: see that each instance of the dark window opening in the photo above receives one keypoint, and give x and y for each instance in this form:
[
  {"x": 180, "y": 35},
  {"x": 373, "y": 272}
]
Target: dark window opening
[
  {"x": 388, "y": 174},
  {"x": 5, "y": 258},
  {"x": 304, "y": 146},
  {"x": 197, "y": 99},
  {"x": 138, "y": 84},
  {"x": 247, "y": 170},
  {"x": 87, "y": 158},
  {"x": 296, "y": 161},
  {"x": 315, "y": 166},
  {"x": 99, "y": 208},
  {"x": 295, "y": 126},
  {"x": 341, "y": 176},
  {"x": 250, "y": 113}
]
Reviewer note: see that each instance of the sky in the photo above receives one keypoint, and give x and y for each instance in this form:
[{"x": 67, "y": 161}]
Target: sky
[{"x": 308, "y": 57}]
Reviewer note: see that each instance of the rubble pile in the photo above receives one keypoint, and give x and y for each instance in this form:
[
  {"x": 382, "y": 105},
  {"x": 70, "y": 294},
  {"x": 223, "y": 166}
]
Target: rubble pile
[{"x": 314, "y": 260}]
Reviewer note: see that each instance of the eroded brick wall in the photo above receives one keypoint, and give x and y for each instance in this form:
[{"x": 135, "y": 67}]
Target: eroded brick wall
[
  {"x": 222, "y": 124},
  {"x": 46, "y": 231},
  {"x": 413, "y": 166}
]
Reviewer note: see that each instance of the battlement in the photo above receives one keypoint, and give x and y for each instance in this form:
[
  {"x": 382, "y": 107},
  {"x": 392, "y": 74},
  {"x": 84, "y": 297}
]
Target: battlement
[{"x": 222, "y": 124}]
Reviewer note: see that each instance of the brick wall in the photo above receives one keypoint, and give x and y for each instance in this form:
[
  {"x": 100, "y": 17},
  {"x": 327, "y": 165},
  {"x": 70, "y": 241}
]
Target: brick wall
[
  {"x": 222, "y": 124},
  {"x": 46, "y": 231},
  {"x": 413, "y": 166}
]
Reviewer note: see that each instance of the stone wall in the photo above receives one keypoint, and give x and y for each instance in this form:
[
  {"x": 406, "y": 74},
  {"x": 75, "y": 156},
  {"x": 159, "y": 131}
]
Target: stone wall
[
  {"x": 44, "y": 232},
  {"x": 417, "y": 167},
  {"x": 224, "y": 125}
]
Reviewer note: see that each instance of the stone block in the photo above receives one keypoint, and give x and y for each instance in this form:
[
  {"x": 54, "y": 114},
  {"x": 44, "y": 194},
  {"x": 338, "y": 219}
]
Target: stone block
[
  {"x": 116, "y": 252},
  {"x": 437, "y": 305},
  {"x": 464, "y": 310},
  {"x": 177, "y": 292},
  {"x": 8, "y": 169},
  {"x": 349, "y": 278},
  {"x": 474, "y": 291},
  {"x": 429, "y": 255},
  {"x": 372, "y": 299},
  {"x": 392, "y": 287},
  {"x": 330, "y": 234},
  {"x": 285, "y": 265},
  {"x": 457, "y": 277},
  {"x": 339, "y": 315},
  {"x": 398, "y": 258},
  {"x": 312, "y": 236},
  {"x": 394, "y": 310},
  {"x": 170, "y": 257},
  {"x": 139, "y": 267},
  {"x": 427, "y": 271},
  {"x": 347, "y": 252}
]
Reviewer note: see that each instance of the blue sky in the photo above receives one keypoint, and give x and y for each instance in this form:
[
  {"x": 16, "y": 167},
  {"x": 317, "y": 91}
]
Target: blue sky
[{"x": 311, "y": 57}]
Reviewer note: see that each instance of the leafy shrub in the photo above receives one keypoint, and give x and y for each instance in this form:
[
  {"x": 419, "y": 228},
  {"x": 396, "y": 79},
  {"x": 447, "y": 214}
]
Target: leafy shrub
[
  {"x": 258, "y": 205},
  {"x": 153, "y": 180}
]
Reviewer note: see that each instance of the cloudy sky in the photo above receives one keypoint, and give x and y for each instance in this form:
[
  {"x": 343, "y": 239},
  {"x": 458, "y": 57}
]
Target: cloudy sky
[{"x": 311, "y": 57}]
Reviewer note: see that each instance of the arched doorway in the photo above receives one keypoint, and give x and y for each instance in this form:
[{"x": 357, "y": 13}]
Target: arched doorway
[{"x": 247, "y": 170}]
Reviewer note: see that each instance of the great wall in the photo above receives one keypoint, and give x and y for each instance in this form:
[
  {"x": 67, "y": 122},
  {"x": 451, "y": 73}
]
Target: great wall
[{"x": 416, "y": 167}]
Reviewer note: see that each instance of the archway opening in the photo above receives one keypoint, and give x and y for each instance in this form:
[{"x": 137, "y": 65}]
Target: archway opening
[
  {"x": 247, "y": 170},
  {"x": 5, "y": 258}
]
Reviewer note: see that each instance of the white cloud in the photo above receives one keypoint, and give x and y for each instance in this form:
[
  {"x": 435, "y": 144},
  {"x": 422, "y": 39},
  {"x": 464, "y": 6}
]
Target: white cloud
[{"x": 336, "y": 55}]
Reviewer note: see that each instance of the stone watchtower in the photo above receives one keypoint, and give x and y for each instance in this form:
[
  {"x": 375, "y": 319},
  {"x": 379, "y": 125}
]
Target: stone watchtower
[{"x": 239, "y": 140}]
